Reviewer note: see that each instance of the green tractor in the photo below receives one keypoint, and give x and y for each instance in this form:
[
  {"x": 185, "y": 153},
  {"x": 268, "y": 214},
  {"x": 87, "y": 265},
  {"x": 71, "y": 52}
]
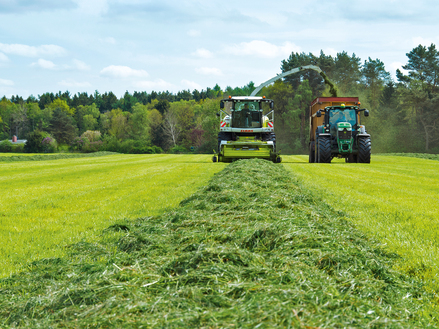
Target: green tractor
[{"x": 336, "y": 131}]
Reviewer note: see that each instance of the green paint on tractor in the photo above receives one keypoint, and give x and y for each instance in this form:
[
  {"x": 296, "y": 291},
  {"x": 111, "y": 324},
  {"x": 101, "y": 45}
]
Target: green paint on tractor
[{"x": 344, "y": 137}]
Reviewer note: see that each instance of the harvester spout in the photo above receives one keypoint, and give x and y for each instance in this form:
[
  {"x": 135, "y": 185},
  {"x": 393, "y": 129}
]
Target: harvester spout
[{"x": 280, "y": 76}]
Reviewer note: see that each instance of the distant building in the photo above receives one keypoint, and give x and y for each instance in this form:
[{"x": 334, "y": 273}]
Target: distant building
[
  {"x": 14, "y": 140},
  {"x": 19, "y": 141}
]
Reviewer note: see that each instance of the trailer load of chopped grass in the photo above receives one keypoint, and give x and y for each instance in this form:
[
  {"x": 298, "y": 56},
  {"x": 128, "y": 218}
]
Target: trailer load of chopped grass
[{"x": 251, "y": 249}]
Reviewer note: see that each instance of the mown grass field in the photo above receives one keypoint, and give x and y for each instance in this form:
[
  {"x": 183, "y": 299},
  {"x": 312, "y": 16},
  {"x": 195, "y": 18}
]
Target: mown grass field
[
  {"x": 253, "y": 248},
  {"x": 394, "y": 199},
  {"x": 46, "y": 205},
  {"x": 18, "y": 154},
  {"x": 256, "y": 245}
]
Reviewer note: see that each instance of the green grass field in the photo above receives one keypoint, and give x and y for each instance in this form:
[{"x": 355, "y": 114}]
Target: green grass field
[
  {"x": 20, "y": 154},
  {"x": 279, "y": 245},
  {"x": 394, "y": 199},
  {"x": 46, "y": 205},
  {"x": 253, "y": 248}
]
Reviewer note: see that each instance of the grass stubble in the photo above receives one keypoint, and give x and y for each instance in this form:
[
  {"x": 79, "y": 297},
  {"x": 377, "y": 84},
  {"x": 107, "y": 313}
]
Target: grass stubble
[
  {"x": 394, "y": 199},
  {"x": 253, "y": 248},
  {"x": 45, "y": 205}
]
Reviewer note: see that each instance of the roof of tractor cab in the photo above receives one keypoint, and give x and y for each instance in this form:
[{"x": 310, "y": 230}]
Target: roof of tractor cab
[{"x": 247, "y": 98}]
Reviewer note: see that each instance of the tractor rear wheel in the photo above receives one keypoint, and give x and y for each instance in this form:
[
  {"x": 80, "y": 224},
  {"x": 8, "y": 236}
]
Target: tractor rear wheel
[
  {"x": 364, "y": 150},
  {"x": 312, "y": 158},
  {"x": 324, "y": 148}
]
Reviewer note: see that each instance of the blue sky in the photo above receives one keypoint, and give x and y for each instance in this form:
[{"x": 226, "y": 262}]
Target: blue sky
[{"x": 114, "y": 45}]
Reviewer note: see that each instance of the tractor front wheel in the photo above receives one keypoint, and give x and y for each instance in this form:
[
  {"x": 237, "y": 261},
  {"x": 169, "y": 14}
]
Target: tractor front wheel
[
  {"x": 364, "y": 150},
  {"x": 324, "y": 150}
]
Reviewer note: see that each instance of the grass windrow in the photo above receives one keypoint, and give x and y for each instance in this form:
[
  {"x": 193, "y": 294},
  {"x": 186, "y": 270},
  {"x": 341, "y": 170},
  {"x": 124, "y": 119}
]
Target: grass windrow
[{"x": 252, "y": 248}]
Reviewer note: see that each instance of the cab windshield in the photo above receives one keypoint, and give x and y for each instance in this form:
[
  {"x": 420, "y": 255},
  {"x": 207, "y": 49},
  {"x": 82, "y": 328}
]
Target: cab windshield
[
  {"x": 336, "y": 116},
  {"x": 247, "y": 115}
]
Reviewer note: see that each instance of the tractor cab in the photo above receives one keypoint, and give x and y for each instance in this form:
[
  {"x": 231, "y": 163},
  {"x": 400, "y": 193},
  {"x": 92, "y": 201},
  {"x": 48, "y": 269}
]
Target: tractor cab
[{"x": 336, "y": 116}]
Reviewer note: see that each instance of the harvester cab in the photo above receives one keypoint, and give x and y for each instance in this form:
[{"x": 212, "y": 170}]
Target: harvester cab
[
  {"x": 340, "y": 133},
  {"x": 246, "y": 129}
]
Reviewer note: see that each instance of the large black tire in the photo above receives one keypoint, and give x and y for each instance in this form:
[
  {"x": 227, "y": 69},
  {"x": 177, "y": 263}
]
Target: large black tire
[
  {"x": 312, "y": 151},
  {"x": 223, "y": 136},
  {"x": 364, "y": 150},
  {"x": 324, "y": 152},
  {"x": 270, "y": 137}
]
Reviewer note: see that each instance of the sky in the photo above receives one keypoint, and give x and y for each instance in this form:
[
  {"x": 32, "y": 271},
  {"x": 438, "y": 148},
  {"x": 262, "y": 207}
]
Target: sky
[{"x": 134, "y": 45}]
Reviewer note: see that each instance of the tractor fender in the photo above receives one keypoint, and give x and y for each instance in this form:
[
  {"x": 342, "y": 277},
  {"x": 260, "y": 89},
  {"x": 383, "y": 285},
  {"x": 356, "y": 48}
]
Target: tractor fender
[
  {"x": 363, "y": 135},
  {"x": 320, "y": 130}
]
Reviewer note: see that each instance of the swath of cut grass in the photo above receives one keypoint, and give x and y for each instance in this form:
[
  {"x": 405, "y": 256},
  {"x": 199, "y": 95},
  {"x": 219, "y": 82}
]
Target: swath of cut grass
[
  {"x": 394, "y": 199},
  {"x": 253, "y": 248},
  {"x": 46, "y": 205}
]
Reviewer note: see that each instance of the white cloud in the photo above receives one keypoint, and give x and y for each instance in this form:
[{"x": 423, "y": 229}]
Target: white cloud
[
  {"x": 271, "y": 18},
  {"x": 397, "y": 65},
  {"x": 194, "y": 33},
  {"x": 3, "y": 58},
  {"x": 44, "y": 64},
  {"x": 31, "y": 51},
  {"x": 209, "y": 71},
  {"x": 81, "y": 66},
  {"x": 71, "y": 83},
  {"x": 330, "y": 51},
  {"x": 95, "y": 7},
  {"x": 157, "y": 84},
  {"x": 422, "y": 41},
  {"x": 203, "y": 53},
  {"x": 191, "y": 85},
  {"x": 5, "y": 82},
  {"x": 117, "y": 71},
  {"x": 109, "y": 40},
  {"x": 262, "y": 49}
]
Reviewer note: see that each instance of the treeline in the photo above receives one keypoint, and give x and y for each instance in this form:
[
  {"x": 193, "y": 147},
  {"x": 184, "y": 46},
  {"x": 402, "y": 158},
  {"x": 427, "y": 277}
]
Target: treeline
[{"x": 404, "y": 113}]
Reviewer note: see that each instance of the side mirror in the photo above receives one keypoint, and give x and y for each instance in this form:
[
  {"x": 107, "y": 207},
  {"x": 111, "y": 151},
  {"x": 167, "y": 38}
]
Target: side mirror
[
  {"x": 318, "y": 114},
  {"x": 221, "y": 105},
  {"x": 366, "y": 113},
  {"x": 218, "y": 114},
  {"x": 271, "y": 105}
]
